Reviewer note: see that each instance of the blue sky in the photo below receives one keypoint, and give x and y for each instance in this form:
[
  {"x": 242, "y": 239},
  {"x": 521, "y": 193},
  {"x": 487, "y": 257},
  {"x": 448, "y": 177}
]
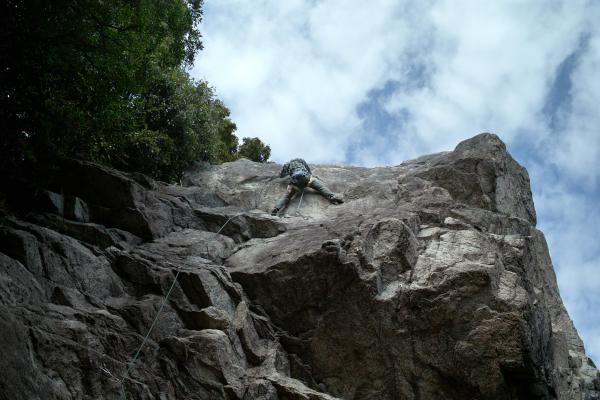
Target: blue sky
[{"x": 379, "y": 82}]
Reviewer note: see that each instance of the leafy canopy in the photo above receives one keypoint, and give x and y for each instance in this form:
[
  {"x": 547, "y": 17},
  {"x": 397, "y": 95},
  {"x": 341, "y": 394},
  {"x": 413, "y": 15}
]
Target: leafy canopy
[
  {"x": 106, "y": 81},
  {"x": 255, "y": 150}
]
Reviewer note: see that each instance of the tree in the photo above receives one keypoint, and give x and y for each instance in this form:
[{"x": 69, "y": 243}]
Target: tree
[
  {"x": 73, "y": 71},
  {"x": 255, "y": 150},
  {"x": 182, "y": 122},
  {"x": 106, "y": 81}
]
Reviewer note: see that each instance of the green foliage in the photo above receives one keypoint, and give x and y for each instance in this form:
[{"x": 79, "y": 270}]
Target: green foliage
[
  {"x": 255, "y": 150},
  {"x": 149, "y": 152},
  {"x": 188, "y": 114},
  {"x": 105, "y": 81}
]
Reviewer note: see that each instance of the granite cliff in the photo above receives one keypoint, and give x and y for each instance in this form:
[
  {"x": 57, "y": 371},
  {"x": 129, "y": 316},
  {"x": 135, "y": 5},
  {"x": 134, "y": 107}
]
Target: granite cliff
[{"x": 429, "y": 282}]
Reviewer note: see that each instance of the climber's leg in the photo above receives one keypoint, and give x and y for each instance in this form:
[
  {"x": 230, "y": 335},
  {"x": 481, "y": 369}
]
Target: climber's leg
[
  {"x": 324, "y": 191},
  {"x": 285, "y": 200}
]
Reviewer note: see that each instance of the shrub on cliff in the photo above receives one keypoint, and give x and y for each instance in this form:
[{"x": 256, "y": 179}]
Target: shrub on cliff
[{"x": 255, "y": 150}]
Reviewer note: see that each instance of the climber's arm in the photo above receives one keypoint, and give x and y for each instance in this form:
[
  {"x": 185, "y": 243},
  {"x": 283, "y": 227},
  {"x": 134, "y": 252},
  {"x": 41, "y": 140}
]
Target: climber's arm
[
  {"x": 306, "y": 165},
  {"x": 284, "y": 170}
]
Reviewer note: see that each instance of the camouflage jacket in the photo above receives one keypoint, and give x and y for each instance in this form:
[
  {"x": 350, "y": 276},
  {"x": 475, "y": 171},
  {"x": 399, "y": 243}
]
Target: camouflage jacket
[{"x": 294, "y": 165}]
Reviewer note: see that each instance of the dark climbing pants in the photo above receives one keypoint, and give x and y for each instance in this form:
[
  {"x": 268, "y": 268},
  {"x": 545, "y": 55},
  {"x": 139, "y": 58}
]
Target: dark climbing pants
[{"x": 293, "y": 190}]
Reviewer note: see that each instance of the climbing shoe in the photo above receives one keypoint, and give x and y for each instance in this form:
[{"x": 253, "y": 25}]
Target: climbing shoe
[
  {"x": 335, "y": 200},
  {"x": 275, "y": 211}
]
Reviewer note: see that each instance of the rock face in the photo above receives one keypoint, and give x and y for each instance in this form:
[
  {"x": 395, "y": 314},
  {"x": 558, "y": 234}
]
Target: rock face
[{"x": 429, "y": 282}]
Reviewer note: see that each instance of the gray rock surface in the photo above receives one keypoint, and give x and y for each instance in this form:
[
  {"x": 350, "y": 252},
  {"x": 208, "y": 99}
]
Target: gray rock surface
[{"x": 429, "y": 282}]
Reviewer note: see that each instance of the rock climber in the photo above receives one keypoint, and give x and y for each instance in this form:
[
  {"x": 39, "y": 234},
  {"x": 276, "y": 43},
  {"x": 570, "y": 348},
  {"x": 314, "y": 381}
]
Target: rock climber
[{"x": 301, "y": 177}]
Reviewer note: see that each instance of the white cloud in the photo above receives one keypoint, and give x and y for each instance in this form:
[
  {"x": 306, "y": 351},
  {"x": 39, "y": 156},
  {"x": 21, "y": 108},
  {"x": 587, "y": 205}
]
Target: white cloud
[
  {"x": 493, "y": 63},
  {"x": 294, "y": 73},
  {"x": 579, "y": 284},
  {"x": 578, "y": 147}
]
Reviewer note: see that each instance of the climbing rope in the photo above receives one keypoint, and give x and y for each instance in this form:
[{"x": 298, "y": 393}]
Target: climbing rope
[
  {"x": 298, "y": 213},
  {"x": 300, "y": 202},
  {"x": 129, "y": 366},
  {"x": 102, "y": 367},
  {"x": 137, "y": 353},
  {"x": 71, "y": 342},
  {"x": 229, "y": 219},
  {"x": 162, "y": 305}
]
